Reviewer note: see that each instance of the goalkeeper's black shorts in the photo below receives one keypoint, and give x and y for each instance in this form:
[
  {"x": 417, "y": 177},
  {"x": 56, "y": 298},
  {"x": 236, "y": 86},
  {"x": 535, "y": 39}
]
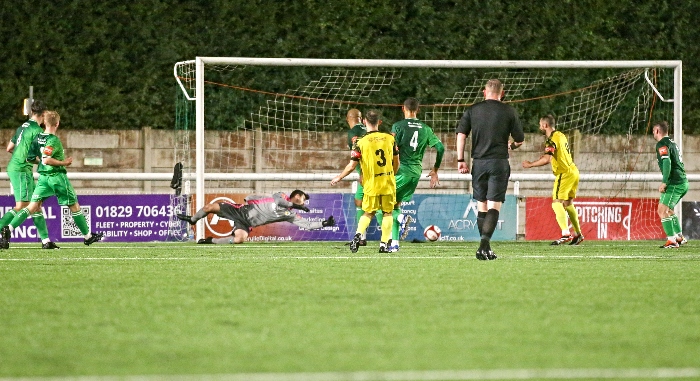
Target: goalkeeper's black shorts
[{"x": 237, "y": 214}]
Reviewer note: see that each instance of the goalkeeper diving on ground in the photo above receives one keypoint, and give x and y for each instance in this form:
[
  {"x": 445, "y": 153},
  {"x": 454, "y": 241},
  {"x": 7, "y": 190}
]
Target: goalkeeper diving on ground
[{"x": 258, "y": 210}]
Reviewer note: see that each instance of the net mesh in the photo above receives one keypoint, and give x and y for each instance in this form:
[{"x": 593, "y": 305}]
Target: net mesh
[{"x": 292, "y": 120}]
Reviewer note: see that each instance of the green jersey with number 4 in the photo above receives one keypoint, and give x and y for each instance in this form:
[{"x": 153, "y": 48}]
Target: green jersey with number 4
[
  {"x": 47, "y": 146},
  {"x": 412, "y": 138}
]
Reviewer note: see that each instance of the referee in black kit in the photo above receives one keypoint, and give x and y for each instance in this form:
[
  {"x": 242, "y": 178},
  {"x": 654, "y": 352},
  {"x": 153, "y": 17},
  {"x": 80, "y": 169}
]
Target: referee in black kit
[{"x": 491, "y": 123}]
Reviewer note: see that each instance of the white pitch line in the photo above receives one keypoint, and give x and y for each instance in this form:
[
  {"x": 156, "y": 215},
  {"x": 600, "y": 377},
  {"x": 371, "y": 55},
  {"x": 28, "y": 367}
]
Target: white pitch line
[
  {"x": 267, "y": 246},
  {"x": 416, "y": 375},
  {"x": 337, "y": 257},
  {"x": 211, "y": 259},
  {"x": 595, "y": 256}
]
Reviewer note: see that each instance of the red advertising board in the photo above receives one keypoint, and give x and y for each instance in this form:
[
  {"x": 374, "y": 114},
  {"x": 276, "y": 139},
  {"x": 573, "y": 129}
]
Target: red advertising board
[{"x": 600, "y": 218}]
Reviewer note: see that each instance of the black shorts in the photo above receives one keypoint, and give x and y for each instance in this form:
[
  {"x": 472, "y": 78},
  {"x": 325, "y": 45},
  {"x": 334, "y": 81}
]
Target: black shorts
[
  {"x": 490, "y": 179},
  {"x": 237, "y": 214}
]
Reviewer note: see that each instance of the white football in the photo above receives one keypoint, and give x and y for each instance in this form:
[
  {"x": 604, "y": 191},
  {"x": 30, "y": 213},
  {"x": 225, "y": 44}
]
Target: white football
[{"x": 432, "y": 233}]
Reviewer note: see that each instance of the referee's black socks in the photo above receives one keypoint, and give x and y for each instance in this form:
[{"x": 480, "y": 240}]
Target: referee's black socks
[
  {"x": 480, "y": 221},
  {"x": 488, "y": 226}
]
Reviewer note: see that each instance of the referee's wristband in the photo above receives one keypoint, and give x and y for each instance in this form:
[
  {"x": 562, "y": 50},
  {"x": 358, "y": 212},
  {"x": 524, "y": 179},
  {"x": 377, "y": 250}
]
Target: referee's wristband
[{"x": 460, "y": 160}]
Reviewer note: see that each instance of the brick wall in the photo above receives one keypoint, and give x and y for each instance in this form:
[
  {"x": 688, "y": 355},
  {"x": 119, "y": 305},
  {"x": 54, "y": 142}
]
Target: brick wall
[{"x": 150, "y": 150}]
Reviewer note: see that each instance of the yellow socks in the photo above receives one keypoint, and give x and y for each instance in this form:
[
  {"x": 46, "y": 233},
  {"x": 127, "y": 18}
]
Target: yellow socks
[
  {"x": 573, "y": 216},
  {"x": 363, "y": 224},
  {"x": 387, "y": 224},
  {"x": 560, "y": 213}
]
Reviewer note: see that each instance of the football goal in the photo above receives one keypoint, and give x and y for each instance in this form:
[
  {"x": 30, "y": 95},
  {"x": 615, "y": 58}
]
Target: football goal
[{"x": 262, "y": 125}]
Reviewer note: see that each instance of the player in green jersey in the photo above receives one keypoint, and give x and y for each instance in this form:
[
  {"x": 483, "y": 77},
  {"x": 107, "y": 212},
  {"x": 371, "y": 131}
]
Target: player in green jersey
[
  {"x": 412, "y": 138},
  {"x": 21, "y": 175},
  {"x": 673, "y": 186},
  {"x": 47, "y": 151}
]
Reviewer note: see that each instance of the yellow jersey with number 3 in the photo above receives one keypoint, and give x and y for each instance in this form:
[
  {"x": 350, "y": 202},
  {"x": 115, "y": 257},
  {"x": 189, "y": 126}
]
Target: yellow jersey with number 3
[
  {"x": 558, "y": 146},
  {"x": 375, "y": 153}
]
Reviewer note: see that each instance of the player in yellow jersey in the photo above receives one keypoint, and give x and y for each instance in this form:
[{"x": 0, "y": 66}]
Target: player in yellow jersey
[
  {"x": 566, "y": 174},
  {"x": 378, "y": 157}
]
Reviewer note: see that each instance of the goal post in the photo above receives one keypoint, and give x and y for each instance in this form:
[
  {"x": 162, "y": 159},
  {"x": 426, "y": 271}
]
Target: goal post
[{"x": 327, "y": 99}]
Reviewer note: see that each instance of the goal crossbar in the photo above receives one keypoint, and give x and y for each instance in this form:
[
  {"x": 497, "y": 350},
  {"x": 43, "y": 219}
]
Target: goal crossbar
[{"x": 440, "y": 64}]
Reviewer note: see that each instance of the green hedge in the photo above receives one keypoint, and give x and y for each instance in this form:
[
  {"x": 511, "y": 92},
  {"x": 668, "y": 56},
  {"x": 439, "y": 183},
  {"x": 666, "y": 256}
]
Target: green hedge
[{"x": 108, "y": 64}]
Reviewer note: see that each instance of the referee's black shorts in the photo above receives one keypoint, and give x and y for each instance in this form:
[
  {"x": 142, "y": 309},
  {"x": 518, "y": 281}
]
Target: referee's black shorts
[
  {"x": 236, "y": 214},
  {"x": 490, "y": 179}
]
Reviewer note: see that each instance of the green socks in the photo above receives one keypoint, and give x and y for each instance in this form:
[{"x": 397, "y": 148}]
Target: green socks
[
  {"x": 80, "y": 220},
  {"x": 40, "y": 223},
  {"x": 7, "y": 217},
  {"x": 396, "y": 227}
]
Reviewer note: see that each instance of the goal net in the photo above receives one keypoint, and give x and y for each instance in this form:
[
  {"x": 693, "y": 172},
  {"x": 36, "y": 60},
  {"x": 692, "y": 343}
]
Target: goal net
[{"x": 260, "y": 126}]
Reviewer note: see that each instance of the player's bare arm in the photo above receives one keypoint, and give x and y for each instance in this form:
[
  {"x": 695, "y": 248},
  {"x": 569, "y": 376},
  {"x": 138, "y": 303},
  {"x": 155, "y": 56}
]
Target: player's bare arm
[
  {"x": 10, "y": 147},
  {"x": 434, "y": 180},
  {"x": 543, "y": 160},
  {"x": 348, "y": 170},
  {"x": 461, "y": 164}
]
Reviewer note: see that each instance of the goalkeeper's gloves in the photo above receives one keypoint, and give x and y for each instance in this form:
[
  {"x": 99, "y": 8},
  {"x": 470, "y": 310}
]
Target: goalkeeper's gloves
[
  {"x": 330, "y": 221},
  {"x": 300, "y": 207}
]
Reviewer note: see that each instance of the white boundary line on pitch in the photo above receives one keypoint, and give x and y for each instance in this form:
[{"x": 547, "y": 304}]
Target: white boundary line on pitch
[
  {"x": 275, "y": 258},
  {"x": 213, "y": 259},
  {"x": 416, "y": 375},
  {"x": 600, "y": 257}
]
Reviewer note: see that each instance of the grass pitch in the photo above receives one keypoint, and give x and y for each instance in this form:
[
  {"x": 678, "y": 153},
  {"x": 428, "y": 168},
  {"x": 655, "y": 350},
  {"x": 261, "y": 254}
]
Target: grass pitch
[{"x": 306, "y": 308}]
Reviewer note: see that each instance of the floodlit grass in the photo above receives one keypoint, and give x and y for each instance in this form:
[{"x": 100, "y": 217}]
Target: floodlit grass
[{"x": 184, "y": 309}]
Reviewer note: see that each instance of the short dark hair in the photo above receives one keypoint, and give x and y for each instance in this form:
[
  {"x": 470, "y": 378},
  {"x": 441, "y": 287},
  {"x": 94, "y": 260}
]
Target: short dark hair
[
  {"x": 550, "y": 120},
  {"x": 300, "y": 192},
  {"x": 663, "y": 127},
  {"x": 38, "y": 107},
  {"x": 373, "y": 116},
  {"x": 411, "y": 104}
]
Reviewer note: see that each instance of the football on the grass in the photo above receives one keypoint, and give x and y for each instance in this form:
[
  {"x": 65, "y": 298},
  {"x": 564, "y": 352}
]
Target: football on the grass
[{"x": 432, "y": 233}]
